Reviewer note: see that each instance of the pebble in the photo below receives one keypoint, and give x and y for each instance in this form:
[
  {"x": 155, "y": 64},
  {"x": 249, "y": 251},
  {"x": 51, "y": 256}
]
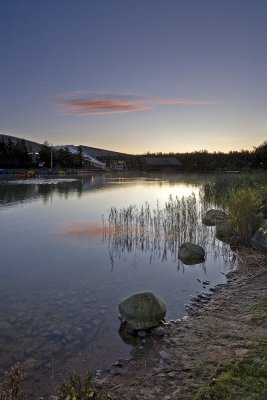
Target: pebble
[
  {"x": 214, "y": 289},
  {"x": 117, "y": 363},
  {"x": 30, "y": 363},
  {"x": 57, "y": 333},
  {"x": 165, "y": 355},
  {"x": 185, "y": 318},
  {"x": 172, "y": 375},
  {"x": 158, "y": 331}
]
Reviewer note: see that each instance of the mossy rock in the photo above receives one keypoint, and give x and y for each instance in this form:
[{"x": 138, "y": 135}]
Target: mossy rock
[
  {"x": 190, "y": 253},
  {"x": 142, "y": 310}
]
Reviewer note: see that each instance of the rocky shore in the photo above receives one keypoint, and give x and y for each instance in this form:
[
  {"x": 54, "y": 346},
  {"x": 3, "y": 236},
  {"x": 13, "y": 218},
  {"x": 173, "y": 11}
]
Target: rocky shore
[{"x": 222, "y": 326}]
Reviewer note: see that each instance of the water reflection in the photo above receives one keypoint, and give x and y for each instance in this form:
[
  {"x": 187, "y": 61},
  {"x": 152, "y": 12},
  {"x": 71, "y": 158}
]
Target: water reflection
[
  {"x": 18, "y": 191},
  {"x": 58, "y": 292}
]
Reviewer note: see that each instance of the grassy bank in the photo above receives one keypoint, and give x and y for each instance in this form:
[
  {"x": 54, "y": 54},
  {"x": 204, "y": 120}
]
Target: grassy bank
[{"x": 245, "y": 379}]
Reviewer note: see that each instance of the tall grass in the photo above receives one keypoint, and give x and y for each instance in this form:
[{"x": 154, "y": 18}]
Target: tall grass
[
  {"x": 219, "y": 190},
  {"x": 242, "y": 207},
  {"x": 241, "y": 197}
]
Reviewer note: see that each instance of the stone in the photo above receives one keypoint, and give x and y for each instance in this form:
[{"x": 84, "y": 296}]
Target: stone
[
  {"x": 212, "y": 217},
  {"x": 172, "y": 375},
  {"x": 30, "y": 363},
  {"x": 165, "y": 356},
  {"x": 259, "y": 239},
  {"x": 158, "y": 331},
  {"x": 142, "y": 310},
  {"x": 224, "y": 230},
  {"x": 141, "y": 334},
  {"x": 190, "y": 253}
]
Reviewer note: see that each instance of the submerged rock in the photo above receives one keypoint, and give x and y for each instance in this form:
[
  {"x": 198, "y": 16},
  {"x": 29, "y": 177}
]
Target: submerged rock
[
  {"x": 190, "y": 253},
  {"x": 212, "y": 217},
  {"x": 142, "y": 310}
]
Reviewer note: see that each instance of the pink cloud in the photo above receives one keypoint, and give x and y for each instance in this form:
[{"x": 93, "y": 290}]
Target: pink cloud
[
  {"x": 84, "y": 103},
  {"x": 94, "y": 107}
]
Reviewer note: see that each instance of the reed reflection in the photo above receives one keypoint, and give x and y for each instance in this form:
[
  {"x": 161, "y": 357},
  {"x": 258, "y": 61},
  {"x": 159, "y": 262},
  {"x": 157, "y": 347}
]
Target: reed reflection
[{"x": 161, "y": 231}]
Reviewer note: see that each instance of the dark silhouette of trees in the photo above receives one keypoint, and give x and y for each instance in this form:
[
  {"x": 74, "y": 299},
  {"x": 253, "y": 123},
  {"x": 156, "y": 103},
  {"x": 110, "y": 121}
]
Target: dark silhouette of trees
[
  {"x": 218, "y": 161},
  {"x": 19, "y": 155},
  {"x": 260, "y": 156},
  {"x": 45, "y": 154},
  {"x": 14, "y": 154}
]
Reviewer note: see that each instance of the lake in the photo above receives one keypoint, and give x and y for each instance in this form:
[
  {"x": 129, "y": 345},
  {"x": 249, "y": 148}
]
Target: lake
[{"x": 62, "y": 278}]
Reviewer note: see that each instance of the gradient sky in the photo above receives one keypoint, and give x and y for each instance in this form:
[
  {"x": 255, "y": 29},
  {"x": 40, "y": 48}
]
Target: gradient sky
[{"x": 135, "y": 75}]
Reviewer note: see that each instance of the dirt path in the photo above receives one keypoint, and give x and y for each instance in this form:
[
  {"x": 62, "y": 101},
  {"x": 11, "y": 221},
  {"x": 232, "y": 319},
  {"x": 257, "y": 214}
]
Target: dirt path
[{"x": 221, "y": 327}]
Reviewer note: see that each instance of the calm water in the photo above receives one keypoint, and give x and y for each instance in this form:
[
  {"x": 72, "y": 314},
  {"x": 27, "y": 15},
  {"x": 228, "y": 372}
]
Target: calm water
[{"x": 61, "y": 282}]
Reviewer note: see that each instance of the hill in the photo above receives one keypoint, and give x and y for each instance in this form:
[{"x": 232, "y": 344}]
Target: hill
[{"x": 94, "y": 151}]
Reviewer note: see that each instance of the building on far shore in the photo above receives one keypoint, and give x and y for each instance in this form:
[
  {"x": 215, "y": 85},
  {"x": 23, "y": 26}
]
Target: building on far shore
[{"x": 162, "y": 164}]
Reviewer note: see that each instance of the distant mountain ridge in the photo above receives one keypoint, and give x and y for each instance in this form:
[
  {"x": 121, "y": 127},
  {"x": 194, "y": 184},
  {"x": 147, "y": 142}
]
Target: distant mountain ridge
[{"x": 93, "y": 151}]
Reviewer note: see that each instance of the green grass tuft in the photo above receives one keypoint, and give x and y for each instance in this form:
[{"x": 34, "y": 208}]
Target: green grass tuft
[
  {"x": 245, "y": 379},
  {"x": 260, "y": 311}
]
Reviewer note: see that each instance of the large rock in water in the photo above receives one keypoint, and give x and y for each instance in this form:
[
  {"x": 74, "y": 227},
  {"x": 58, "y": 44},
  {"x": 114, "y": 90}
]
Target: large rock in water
[
  {"x": 142, "y": 310},
  {"x": 190, "y": 253},
  {"x": 212, "y": 217}
]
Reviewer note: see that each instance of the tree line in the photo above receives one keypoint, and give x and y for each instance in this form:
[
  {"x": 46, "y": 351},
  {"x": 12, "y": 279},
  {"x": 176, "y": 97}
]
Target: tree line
[
  {"x": 234, "y": 160},
  {"x": 19, "y": 154}
]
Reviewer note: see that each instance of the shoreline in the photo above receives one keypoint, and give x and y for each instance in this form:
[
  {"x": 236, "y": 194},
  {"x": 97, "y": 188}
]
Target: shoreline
[{"x": 221, "y": 328}]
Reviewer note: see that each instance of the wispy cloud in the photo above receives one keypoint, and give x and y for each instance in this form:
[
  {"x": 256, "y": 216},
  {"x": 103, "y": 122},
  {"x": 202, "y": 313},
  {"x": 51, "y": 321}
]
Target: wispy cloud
[{"x": 84, "y": 103}]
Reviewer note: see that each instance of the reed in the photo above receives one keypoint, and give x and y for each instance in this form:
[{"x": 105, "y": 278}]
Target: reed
[{"x": 158, "y": 230}]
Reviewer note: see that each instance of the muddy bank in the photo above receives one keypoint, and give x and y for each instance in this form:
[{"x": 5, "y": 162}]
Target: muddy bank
[{"x": 224, "y": 327}]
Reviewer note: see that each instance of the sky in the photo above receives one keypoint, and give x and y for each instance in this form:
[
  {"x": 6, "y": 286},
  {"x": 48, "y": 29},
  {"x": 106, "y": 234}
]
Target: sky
[{"x": 135, "y": 75}]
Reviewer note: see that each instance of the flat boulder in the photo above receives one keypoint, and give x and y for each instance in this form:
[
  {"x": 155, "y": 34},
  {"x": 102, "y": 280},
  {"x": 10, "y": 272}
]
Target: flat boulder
[
  {"x": 212, "y": 217},
  {"x": 190, "y": 253},
  {"x": 142, "y": 310}
]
